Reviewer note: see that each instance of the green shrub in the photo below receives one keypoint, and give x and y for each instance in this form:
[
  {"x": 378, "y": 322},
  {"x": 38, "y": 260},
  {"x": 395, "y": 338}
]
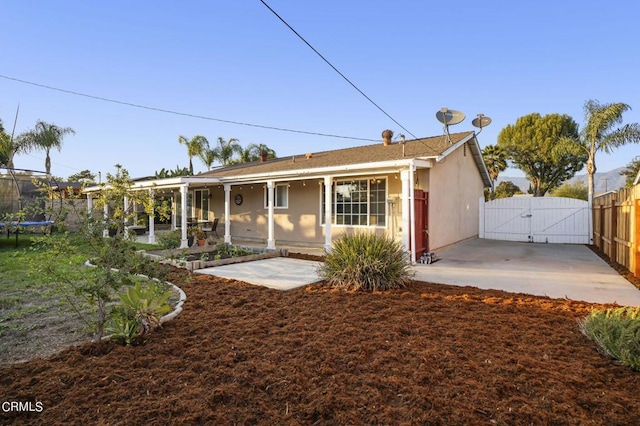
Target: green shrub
[
  {"x": 367, "y": 262},
  {"x": 170, "y": 240},
  {"x": 124, "y": 330},
  {"x": 140, "y": 312},
  {"x": 616, "y": 331}
]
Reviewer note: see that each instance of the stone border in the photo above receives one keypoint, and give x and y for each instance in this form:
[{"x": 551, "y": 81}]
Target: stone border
[
  {"x": 176, "y": 309},
  {"x": 192, "y": 265}
]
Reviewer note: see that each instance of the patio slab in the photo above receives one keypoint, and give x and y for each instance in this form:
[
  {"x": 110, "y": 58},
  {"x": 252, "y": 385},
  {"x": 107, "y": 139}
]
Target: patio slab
[{"x": 280, "y": 273}]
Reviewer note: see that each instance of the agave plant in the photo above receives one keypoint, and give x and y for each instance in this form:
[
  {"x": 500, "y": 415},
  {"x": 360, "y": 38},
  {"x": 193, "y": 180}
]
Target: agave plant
[{"x": 145, "y": 305}]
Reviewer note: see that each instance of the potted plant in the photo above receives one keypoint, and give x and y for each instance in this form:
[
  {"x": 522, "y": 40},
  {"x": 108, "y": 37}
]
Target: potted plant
[
  {"x": 200, "y": 236},
  {"x": 191, "y": 235}
]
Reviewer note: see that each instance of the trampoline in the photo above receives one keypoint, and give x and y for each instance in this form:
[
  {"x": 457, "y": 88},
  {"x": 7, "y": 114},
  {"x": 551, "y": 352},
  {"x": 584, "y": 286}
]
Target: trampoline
[{"x": 23, "y": 203}]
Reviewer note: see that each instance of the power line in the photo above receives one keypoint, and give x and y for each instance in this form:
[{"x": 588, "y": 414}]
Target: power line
[
  {"x": 336, "y": 69},
  {"x": 184, "y": 114}
]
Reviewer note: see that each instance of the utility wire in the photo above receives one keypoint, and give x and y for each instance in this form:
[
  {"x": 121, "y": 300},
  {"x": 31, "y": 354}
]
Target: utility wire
[
  {"x": 184, "y": 114},
  {"x": 336, "y": 69}
]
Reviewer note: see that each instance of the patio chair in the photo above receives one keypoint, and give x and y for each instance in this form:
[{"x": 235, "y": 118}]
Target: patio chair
[{"x": 214, "y": 226}]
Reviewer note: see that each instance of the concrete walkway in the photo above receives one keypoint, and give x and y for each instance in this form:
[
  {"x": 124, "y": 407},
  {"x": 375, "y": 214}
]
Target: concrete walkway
[
  {"x": 281, "y": 273},
  {"x": 555, "y": 270}
]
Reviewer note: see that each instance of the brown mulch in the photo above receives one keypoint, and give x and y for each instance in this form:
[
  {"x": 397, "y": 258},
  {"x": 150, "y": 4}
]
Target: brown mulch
[{"x": 428, "y": 354}]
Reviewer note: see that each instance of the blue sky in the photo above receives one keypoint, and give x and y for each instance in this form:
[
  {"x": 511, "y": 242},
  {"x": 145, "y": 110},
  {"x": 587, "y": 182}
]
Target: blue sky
[{"x": 234, "y": 60}]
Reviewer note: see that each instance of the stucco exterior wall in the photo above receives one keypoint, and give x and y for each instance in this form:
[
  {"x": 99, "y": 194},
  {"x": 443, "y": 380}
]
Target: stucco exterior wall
[
  {"x": 300, "y": 223},
  {"x": 454, "y": 187}
]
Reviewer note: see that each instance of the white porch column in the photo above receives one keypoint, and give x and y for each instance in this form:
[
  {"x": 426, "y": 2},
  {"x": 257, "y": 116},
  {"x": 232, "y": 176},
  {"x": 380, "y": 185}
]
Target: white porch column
[
  {"x": 89, "y": 204},
  {"x": 227, "y": 213},
  {"x": 183, "y": 223},
  {"x": 152, "y": 217},
  {"x": 105, "y": 231},
  {"x": 406, "y": 229},
  {"x": 271, "y": 243},
  {"x": 124, "y": 217},
  {"x": 327, "y": 213},
  {"x": 412, "y": 211}
]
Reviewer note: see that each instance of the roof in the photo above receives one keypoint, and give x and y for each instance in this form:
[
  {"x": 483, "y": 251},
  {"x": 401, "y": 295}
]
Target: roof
[{"x": 431, "y": 147}]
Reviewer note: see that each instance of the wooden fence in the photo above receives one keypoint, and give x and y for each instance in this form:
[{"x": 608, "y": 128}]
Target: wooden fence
[{"x": 616, "y": 227}]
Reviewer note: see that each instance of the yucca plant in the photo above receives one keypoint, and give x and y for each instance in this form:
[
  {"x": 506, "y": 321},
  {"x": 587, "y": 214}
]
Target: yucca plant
[
  {"x": 366, "y": 262},
  {"x": 124, "y": 330},
  {"x": 616, "y": 331}
]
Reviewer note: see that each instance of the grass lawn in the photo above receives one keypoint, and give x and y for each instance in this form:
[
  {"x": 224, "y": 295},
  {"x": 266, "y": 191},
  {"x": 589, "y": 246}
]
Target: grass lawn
[{"x": 31, "y": 320}]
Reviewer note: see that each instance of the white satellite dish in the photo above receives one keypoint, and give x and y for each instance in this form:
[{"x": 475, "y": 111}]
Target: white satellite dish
[
  {"x": 449, "y": 117},
  {"x": 481, "y": 121}
]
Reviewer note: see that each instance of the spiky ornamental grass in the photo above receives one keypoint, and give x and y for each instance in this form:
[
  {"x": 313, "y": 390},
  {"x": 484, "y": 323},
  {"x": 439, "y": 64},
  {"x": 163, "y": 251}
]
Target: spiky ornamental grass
[
  {"x": 616, "y": 331},
  {"x": 366, "y": 262}
]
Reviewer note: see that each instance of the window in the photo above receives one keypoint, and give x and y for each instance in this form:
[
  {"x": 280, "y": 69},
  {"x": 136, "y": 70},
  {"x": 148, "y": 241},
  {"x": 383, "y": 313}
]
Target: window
[
  {"x": 201, "y": 204},
  {"x": 281, "y": 195},
  {"x": 358, "y": 203}
]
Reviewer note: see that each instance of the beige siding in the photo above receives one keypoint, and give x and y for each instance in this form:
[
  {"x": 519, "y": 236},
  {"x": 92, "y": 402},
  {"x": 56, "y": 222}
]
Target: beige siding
[{"x": 454, "y": 187}]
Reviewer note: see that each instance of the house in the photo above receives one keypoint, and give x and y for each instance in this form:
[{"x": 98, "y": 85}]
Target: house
[{"x": 422, "y": 192}]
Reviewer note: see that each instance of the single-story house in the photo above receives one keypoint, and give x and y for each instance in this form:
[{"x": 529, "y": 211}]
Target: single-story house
[{"x": 422, "y": 192}]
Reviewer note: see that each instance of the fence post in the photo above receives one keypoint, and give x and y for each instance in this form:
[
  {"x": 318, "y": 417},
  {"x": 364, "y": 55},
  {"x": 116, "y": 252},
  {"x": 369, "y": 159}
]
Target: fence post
[
  {"x": 613, "y": 247},
  {"x": 635, "y": 246}
]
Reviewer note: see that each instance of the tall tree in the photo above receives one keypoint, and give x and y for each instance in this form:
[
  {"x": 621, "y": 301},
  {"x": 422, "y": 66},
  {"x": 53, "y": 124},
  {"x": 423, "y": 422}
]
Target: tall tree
[
  {"x": 544, "y": 148},
  {"x": 496, "y": 161},
  {"x": 253, "y": 152},
  {"x": 226, "y": 150},
  {"x": 601, "y": 132},
  {"x": 45, "y": 137},
  {"x": 576, "y": 190},
  {"x": 631, "y": 172},
  {"x": 208, "y": 156},
  {"x": 195, "y": 146},
  {"x": 9, "y": 147},
  {"x": 83, "y": 176}
]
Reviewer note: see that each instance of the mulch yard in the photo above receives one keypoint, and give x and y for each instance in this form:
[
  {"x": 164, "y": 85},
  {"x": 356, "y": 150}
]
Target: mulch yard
[{"x": 428, "y": 354}]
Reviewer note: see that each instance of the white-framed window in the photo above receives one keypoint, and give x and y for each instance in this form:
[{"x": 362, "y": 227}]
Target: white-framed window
[
  {"x": 357, "y": 202},
  {"x": 281, "y": 196},
  {"x": 201, "y": 204}
]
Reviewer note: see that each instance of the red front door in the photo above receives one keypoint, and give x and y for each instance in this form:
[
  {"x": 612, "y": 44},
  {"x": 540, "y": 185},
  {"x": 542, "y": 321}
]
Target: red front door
[{"x": 421, "y": 203}]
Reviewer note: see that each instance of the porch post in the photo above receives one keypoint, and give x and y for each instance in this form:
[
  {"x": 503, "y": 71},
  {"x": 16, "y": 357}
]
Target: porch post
[
  {"x": 271, "y": 243},
  {"x": 124, "y": 217},
  {"x": 405, "y": 176},
  {"x": 412, "y": 211},
  {"x": 183, "y": 205},
  {"x": 327, "y": 213},
  {"x": 152, "y": 217},
  {"x": 105, "y": 231},
  {"x": 227, "y": 213},
  {"x": 89, "y": 203}
]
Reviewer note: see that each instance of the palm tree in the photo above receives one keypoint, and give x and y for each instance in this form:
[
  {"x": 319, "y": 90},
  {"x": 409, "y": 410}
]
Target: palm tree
[
  {"x": 601, "y": 134},
  {"x": 45, "y": 136},
  {"x": 496, "y": 161},
  {"x": 225, "y": 150},
  {"x": 195, "y": 147},
  {"x": 208, "y": 156},
  {"x": 253, "y": 153}
]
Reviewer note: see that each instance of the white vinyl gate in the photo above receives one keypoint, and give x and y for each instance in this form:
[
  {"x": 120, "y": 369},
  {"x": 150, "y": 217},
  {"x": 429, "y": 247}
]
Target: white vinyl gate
[{"x": 535, "y": 219}]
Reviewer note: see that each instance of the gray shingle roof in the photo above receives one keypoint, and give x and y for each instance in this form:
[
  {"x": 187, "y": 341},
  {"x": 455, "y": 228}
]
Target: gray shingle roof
[{"x": 425, "y": 147}]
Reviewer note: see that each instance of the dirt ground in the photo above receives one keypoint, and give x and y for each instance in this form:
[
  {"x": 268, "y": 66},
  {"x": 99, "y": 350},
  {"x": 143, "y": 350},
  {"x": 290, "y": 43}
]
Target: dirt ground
[{"x": 428, "y": 354}]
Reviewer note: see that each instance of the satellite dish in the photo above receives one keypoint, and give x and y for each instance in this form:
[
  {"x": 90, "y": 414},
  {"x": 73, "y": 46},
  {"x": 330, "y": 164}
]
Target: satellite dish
[
  {"x": 481, "y": 121},
  {"x": 449, "y": 117}
]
